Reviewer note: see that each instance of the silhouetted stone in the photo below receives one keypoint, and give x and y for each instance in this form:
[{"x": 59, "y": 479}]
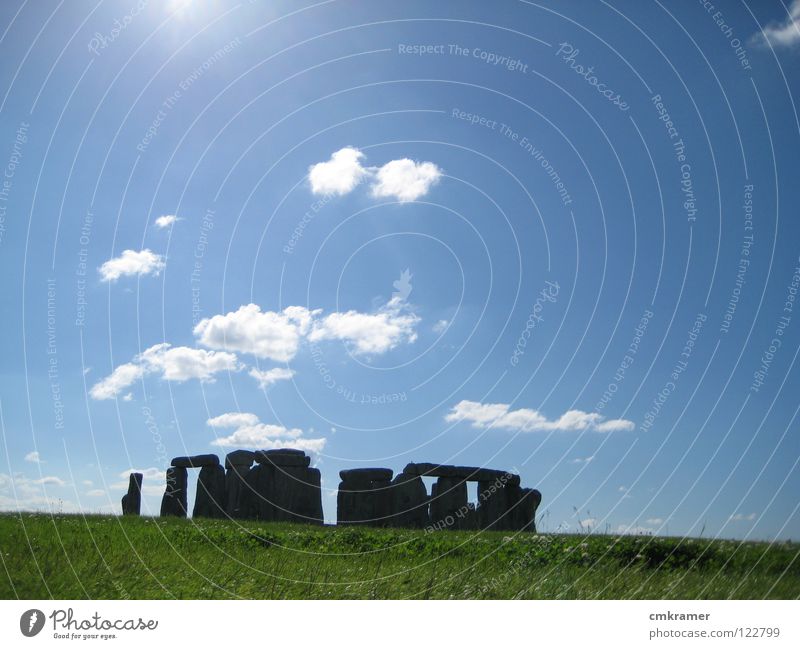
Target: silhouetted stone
[
  {"x": 240, "y": 458},
  {"x": 173, "y": 503},
  {"x": 365, "y": 475},
  {"x": 448, "y": 502},
  {"x": 470, "y": 473},
  {"x": 276, "y": 492},
  {"x": 409, "y": 501},
  {"x": 132, "y": 501},
  {"x": 283, "y": 459},
  {"x": 209, "y": 499},
  {"x": 282, "y": 451},
  {"x": 195, "y": 461},
  {"x": 365, "y": 497},
  {"x": 237, "y": 463}
]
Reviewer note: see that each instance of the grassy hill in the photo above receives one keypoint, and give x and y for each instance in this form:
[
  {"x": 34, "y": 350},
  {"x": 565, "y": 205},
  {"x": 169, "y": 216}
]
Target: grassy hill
[{"x": 107, "y": 557}]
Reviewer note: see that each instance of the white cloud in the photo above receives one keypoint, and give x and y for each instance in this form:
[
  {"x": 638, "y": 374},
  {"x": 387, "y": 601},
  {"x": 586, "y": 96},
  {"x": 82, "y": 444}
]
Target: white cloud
[
  {"x": 265, "y": 334},
  {"x": 96, "y": 493},
  {"x": 440, "y": 326},
  {"x": 369, "y": 333},
  {"x": 405, "y": 179},
  {"x": 163, "y": 222},
  {"x": 743, "y": 517},
  {"x": 184, "y": 363},
  {"x": 269, "y": 377},
  {"x": 654, "y": 521},
  {"x": 49, "y": 480},
  {"x": 130, "y": 262},
  {"x": 582, "y": 460},
  {"x": 249, "y": 431},
  {"x": 499, "y": 415},
  {"x": 33, "y": 456},
  {"x": 277, "y": 335},
  {"x": 171, "y": 363},
  {"x": 782, "y": 33},
  {"x": 20, "y": 493},
  {"x": 339, "y": 175},
  {"x": 589, "y": 522},
  {"x": 122, "y": 377}
]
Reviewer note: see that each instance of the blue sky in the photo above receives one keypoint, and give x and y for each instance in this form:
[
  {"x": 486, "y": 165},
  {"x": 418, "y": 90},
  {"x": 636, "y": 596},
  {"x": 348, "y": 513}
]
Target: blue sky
[{"x": 555, "y": 238}]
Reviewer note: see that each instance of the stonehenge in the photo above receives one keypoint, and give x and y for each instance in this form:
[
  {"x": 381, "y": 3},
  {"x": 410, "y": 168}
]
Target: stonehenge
[
  {"x": 280, "y": 485},
  {"x": 132, "y": 501}
]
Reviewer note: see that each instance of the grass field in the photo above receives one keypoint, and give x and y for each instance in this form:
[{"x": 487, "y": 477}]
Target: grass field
[{"x": 106, "y": 557}]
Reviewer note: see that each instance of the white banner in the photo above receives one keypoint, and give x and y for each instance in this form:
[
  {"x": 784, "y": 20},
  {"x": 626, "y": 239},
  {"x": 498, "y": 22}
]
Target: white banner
[{"x": 405, "y": 624}]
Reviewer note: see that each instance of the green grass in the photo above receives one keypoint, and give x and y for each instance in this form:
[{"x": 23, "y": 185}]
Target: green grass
[{"x": 106, "y": 557}]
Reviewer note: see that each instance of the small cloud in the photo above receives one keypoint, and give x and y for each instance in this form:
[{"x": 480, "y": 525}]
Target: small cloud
[
  {"x": 128, "y": 397},
  {"x": 589, "y": 522},
  {"x": 743, "y": 517},
  {"x": 440, "y": 326},
  {"x": 402, "y": 286},
  {"x": 500, "y": 416},
  {"x": 339, "y": 175},
  {"x": 171, "y": 363},
  {"x": 163, "y": 222},
  {"x": 369, "y": 333},
  {"x": 248, "y": 431},
  {"x": 265, "y": 334},
  {"x": 654, "y": 521},
  {"x": 49, "y": 480},
  {"x": 131, "y": 262},
  {"x": 781, "y": 33},
  {"x": 405, "y": 180},
  {"x": 269, "y": 377},
  {"x": 87, "y": 483},
  {"x": 33, "y": 456},
  {"x": 582, "y": 460},
  {"x": 86, "y": 370},
  {"x": 96, "y": 493}
]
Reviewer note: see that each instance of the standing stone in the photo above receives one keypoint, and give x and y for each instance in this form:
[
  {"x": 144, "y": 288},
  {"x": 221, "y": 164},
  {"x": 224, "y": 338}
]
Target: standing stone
[
  {"x": 281, "y": 487},
  {"x": 524, "y": 511},
  {"x": 132, "y": 501},
  {"x": 209, "y": 500},
  {"x": 195, "y": 461},
  {"x": 365, "y": 497},
  {"x": 448, "y": 502},
  {"x": 237, "y": 464},
  {"x": 173, "y": 502},
  {"x": 409, "y": 501}
]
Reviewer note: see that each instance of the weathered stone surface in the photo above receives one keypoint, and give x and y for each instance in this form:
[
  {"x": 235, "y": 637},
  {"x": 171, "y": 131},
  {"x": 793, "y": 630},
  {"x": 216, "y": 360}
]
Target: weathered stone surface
[
  {"x": 362, "y": 475},
  {"x": 282, "y": 451},
  {"x": 195, "y": 461},
  {"x": 280, "y": 493},
  {"x": 173, "y": 503},
  {"x": 240, "y": 458},
  {"x": 283, "y": 459},
  {"x": 448, "y": 502},
  {"x": 209, "y": 501},
  {"x": 409, "y": 501},
  {"x": 523, "y": 512},
  {"x": 234, "y": 483},
  {"x": 365, "y": 497},
  {"x": 132, "y": 501},
  {"x": 470, "y": 473}
]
